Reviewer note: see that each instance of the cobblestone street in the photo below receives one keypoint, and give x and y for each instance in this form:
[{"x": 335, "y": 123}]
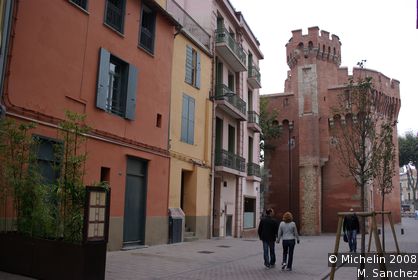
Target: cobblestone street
[{"x": 236, "y": 259}]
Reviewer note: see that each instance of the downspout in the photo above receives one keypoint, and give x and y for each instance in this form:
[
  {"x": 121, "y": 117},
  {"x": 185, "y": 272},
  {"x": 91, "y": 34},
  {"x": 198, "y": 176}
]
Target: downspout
[
  {"x": 212, "y": 172},
  {"x": 4, "y": 55}
]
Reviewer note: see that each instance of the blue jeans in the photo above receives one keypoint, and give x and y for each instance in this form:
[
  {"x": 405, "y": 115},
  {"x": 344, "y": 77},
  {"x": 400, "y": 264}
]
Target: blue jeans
[
  {"x": 288, "y": 248},
  {"x": 269, "y": 246},
  {"x": 352, "y": 240}
]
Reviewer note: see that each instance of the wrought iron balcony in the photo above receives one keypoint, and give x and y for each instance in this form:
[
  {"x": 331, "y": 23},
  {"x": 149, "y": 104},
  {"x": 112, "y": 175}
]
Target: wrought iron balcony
[
  {"x": 230, "y": 102},
  {"x": 254, "y": 121},
  {"x": 253, "y": 169},
  {"x": 230, "y": 50},
  {"x": 230, "y": 160},
  {"x": 254, "y": 76}
]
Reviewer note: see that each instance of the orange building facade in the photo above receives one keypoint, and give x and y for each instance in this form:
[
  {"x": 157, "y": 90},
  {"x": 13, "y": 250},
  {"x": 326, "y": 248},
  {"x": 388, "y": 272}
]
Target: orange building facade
[
  {"x": 302, "y": 163},
  {"x": 109, "y": 60}
]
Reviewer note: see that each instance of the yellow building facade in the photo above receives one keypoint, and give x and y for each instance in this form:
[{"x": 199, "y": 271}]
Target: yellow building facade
[{"x": 191, "y": 131}]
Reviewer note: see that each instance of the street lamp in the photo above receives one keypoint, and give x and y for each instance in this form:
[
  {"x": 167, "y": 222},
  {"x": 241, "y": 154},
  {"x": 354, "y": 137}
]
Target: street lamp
[{"x": 290, "y": 143}]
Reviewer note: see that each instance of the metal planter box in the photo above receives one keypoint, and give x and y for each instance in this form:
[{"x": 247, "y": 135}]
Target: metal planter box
[{"x": 51, "y": 259}]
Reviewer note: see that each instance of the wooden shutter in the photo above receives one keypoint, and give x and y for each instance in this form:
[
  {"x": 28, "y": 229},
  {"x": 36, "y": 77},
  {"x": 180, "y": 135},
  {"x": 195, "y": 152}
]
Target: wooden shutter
[
  {"x": 184, "y": 118},
  {"x": 197, "y": 70},
  {"x": 131, "y": 92},
  {"x": 190, "y": 132},
  {"x": 103, "y": 79},
  {"x": 189, "y": 65}
]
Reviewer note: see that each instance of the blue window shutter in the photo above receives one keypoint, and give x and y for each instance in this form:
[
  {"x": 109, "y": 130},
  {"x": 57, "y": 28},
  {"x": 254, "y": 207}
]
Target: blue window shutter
[
  {"x": 103, "y": 79},
  {"x": 198, "y": 70},
  {"x": 189, "y": 65},
  {"x": 131, "y": 92},
  {"x": 184, "y": 118},
  {"x": 191, "y": 121}
]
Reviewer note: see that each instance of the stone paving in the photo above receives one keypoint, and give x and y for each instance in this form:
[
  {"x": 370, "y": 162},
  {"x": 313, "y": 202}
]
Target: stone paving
[{"x": 233, "y": 258}]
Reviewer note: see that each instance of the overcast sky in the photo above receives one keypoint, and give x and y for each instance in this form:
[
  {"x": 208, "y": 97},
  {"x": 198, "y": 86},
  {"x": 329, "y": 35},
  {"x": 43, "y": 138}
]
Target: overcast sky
[{"x": 381, "y": 31}]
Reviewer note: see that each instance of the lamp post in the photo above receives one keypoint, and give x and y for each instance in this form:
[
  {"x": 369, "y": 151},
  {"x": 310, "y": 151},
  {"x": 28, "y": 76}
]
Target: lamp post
[{"x": 290, "y": 128}]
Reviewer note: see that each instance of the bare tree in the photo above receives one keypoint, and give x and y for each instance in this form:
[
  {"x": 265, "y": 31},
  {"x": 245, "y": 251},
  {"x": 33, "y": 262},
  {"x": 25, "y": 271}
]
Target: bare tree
[
  {"x": 356, "y": 139},
  {"x": 385, "y": 166}
]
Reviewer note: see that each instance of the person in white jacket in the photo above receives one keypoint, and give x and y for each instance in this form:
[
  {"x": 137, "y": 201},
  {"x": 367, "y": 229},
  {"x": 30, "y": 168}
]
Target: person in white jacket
[{"x": 289, "y": 233}]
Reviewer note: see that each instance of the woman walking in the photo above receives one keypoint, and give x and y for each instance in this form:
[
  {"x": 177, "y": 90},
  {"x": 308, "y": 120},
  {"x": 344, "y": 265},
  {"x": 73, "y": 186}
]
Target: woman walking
[{"x": 289, "y": 233}]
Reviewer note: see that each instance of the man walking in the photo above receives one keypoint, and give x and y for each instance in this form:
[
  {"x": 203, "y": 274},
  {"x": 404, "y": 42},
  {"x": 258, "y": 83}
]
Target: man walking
[
  {"x": 267, "y": 231},
  {"x": 351, "y": 227}
]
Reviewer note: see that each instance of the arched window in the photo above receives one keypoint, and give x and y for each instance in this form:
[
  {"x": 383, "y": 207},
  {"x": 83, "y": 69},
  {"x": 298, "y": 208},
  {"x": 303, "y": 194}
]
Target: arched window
[{"x": 310, "y": 45}]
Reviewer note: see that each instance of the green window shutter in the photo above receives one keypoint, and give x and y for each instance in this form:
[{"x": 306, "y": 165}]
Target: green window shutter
[
  {"x": 189, "y": 65},
  {"x": 190, "y": 133},
  {"x": 131, "y": 92},
  {"x": 103, "y": 79},
  {"x": 184, "y": 118},
  {"x": 198, "y": 70}
]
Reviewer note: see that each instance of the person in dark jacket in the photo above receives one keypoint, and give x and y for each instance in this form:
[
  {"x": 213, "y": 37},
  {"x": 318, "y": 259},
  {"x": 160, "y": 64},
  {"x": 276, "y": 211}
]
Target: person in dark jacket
[
  {"x": 267, "y": 231},
  {"x": 351, "y": 227}
]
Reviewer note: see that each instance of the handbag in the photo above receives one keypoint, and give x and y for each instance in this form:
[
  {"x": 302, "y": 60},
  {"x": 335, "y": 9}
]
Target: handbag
[{"x": 345, "y": 237}]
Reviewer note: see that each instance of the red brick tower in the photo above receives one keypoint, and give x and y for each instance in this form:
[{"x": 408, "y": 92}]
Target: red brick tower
[{"x": 316, "y": 190}]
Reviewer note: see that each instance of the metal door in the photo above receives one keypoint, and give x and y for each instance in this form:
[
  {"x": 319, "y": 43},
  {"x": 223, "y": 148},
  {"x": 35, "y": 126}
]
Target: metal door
[{"x": 135, "y": 202}]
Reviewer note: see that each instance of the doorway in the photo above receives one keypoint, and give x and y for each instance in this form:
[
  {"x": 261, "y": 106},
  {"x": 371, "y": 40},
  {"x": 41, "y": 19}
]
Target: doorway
[
  {"x": 216, "y": 207},
  {"x": 135, "y": 202}
]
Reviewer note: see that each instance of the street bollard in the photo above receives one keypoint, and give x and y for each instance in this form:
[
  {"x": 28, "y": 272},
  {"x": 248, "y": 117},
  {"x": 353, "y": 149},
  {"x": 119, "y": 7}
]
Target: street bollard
[{"x": 402, "y": 231}]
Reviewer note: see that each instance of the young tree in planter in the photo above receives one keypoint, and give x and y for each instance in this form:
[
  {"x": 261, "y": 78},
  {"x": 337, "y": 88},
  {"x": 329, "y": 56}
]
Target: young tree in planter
[
  {"x": 53, "y": 211},
  {"x": 19, "y": 182},
  {"x": 408, "y": 157},
  {"x": 356, "y": 142},
  {"x": 70, "y": 188},
  {"x": 385, "y": 166}
]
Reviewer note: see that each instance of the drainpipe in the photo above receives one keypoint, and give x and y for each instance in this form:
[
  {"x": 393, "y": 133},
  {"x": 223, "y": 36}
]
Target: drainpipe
[
  {"x": 212, "y": 172},
  {"x": 7, "y": 23}
]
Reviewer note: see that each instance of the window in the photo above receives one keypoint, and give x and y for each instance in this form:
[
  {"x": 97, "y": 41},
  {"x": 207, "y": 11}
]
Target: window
[
  {"x": 147, "y": 36},
  {"x": 231, "y": 81},
  {"x": 219, "y": 134},
  {"x": 81, "y": 3},
  {"x": 286, "y": 102},
  {"x": 187, "y": 119},
  {"x": 250, "y": 60},
  {"x": 116, "y": 88},
  {"x": 231, "y": 139},
  {"x": 250, "y": 149},
  {"x": 105, "y": 174},
  {"x": 115, "y": 13},
  {"x": 220, "y": 23},
  {"x": 48, "y": 159},
  {"x": 159, "y": 120},
  {"x": 250, "y": 100},
  {"x": 249, "y": 212},
  {"x": 192, "y": 67}
]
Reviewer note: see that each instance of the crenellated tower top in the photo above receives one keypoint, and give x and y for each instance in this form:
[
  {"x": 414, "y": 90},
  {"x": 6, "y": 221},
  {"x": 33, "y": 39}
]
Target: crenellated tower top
[{"x": 316, "y": 44}]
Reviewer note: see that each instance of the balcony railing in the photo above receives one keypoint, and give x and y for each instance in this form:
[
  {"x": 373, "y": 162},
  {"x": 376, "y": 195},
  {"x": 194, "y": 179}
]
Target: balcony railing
[
  {"x": 230, "y": 160},
  {"x": 253, "y": 170},
  {"x": 222, "y": 92},
  {"x": 253, "y": 117},
  {"x": 188, "y": 23},
  {"x": 254, "y": 76},
  {"x": 222, "y": 36}
]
